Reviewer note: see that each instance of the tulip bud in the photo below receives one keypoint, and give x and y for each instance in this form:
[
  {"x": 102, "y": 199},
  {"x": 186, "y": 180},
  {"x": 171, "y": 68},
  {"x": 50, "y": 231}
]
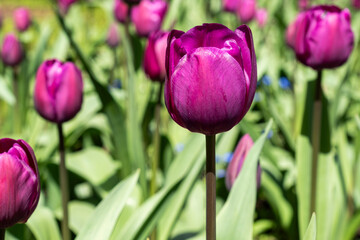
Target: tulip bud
[
  {"x": 121, "y": 11},
  {"x": 22, "y": 19},
  {"x": 148, "y": 16},
  {"x": 58, "y": 91},
  {"x": 230, "y": 5},
  {"x": 113, "y": 38},
  {"x": 11, "y": 51},
  {"x": 211, "y": 77},
  {"x": 19, "y": 182},
  {"x": 261, "y": 17},
  {"x": 237, "y": 161},
  {"x": 303, "y": 4},
  {"x": 356, "y": 4},
  {"x": 64, "y": 5},
  {"x": 154, "y": 56},
  {"x": 322, "y": 37},
  {"x": 246, "y": 10}
]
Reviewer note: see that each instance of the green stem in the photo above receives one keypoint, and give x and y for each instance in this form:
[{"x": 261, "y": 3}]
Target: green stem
[
  {"x": 315, "y": 140},
  {"x": 17, "y": 113},
  {"x": 210, "y": 188},
  {"x": 112, "y": 72},
  {"x": 2, "y": 233},
  {"x": 64, "y": 185}
]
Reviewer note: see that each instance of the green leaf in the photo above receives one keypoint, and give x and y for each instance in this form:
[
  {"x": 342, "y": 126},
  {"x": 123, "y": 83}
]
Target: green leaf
[
  {"x": 43, "y": 225},
  {"x": 103, "y": 220},
  {"x": 310, "y": 233}
]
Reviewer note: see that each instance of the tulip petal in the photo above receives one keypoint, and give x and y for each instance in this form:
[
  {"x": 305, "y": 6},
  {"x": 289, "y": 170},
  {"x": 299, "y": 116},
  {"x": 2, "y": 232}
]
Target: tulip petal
[{"x": 151, "y": 65}]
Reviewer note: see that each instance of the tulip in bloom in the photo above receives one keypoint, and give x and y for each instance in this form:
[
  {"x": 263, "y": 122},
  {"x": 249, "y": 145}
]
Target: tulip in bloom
[
  {"x": 261, "y": 17},
  {"x": 22, "y": 19},
  {"x": 230, "y": 5},
  {"x": 11, "y": 51},
  {"x": 148, "y": 16},
  {"x": 322, "y": 37},
  {"x": 154, "y": 56},
  {"x": 58, "y": 91},
  {"x": 19, "y": 182},
  {"x": 211, "y": 77},
  {"x": 121, "y": 10},
  {"x": 113, "y": 38},
  {"x": 246, "y": 10},
  {"x": 64, "y": 5},
  {"x": 237, "y": 161}
]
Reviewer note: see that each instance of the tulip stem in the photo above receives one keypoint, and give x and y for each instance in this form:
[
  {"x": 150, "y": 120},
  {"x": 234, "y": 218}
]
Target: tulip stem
[
  {"x": 210, "y": 188},
  {"x": 2, "y": 233},
  {"x": 63, "y": 185},
  {"x": 315, "y": 139},
  {"x": 17, "y": 117}
]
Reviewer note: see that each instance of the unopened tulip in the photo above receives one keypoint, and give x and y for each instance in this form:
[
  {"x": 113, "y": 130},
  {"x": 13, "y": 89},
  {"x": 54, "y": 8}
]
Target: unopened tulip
[
  {"x": 121, "y": 11},
  {"x": 148, "y": 16},
  {"x": 322, "y": 37},
  {"x": 19, "y": 182},
  {"x": 58, "y": 91},
  {"x": 113, "y": 38},
  {"x": 261, "y": 17},
  {"x": 246, "y": 10},
  {"x": 11, "y": 51},
  {"x": 211, "y": 77},
  {"x": 356, "y": 3},
  {"x": 237, "y": 161},
  {"x": 22, "y": 19},
  {"x": 154, "y": 56},
  {"x": 64, "y": 5},
  {"x": 230, "y": 5},
  {"x": 303, "y": 4}
]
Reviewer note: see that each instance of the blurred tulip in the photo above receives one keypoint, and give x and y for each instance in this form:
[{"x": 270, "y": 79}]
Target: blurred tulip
[
  {"x": 303, "y": 4},
  {"x": 19, "y": 182},
  {"x": 322, "y": 37},
  {"x": 356, "y": 3},
  {"x": 11, "y": 51},
  {"x": 290, "y": 36},
  {"x": 121, "y": 11},
  {"x": 246, "y": 10},
  {"x": 237, "y": 161},
  {"x": 148, "y": 16},
  {"x": 22, "y": 19},
  {"x": 64, "y": 5},
  {"x": 230, "y": 5},
  {"x": 211, "y": 77},
  {"x": 154, "y": 56},
  {"x": 58, "y": 91},
  {"x": 113, "y": 38},
  {"x": 261, "y": 17}
]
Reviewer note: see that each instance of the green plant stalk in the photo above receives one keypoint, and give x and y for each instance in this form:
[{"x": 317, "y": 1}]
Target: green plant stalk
[
  {"x": 2, "y": 233},
  {"x": 112, "y": 72},
  {"x": 210, "y": 188},
  {"x": 64, "y": 185},
  {"x": 17, "y": 112},
  {"x": 156, "y": 141},
  {"x": 315, "y": 140}
]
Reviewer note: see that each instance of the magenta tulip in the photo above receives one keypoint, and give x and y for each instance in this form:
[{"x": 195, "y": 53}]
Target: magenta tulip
[
  {"x": 64, "y": 5},
  {"x": 22, "y": 19},
  {"x": 261, "y": 17},
  {"x": 121, "y": 11},
  {"x": 237, "y": 161},
  {"x": 113, "y": 38},
  {"x": 322, "y": 37},
  {"x": 154, "y": 56},
  {"x": 211, "y": 77},
  {"x": 230, "y": 5},
  {"x": 356, "y": 3},
  {"x": 246, "y": 10},
  {"x": 303, "y": 4},
  {"x": 19, "y": 182},
  {"x": 148, "y": 16},
  {"x": 11, "y": 51},
  {"x": 58, "y": 91}
]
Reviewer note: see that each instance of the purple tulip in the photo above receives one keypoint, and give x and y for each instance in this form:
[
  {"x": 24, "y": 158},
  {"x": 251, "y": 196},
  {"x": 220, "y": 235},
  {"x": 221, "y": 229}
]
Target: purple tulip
[
  {"x": 322, "y": 37},
  {"x": 148, "y": 16},
  {"x": 237, "y": 161},
  {"x": 154, "y": 56},
  {"x": 230, "y": 5},
  {"x": 19, "y": 182},
  {"x": 11, "y": 51},
  {"x": 261, "y": 17},
  {"x": 246, "y": 10},
  {"x": 64, "y": 5},
  {"x": 211, "y": 77},
  {"x": 356, "y": 3},
  {"x": 113, "y": 38},
  {"x": 121, "y": 11},
  {"x": 303, "y": 4},
  {"x": 22, "y": 19},
  {"x": 58, "y": 90}
]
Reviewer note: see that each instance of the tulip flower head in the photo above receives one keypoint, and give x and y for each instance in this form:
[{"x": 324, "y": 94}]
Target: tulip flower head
[
  {"x": 64, "y": 5},
  {"x": 58, "y": 91},
  {"x": 237, "y": 161},
  {"x": 356, "y": 4},
  {"x": 246, "y": 10},
  {"x": 121, "y": 11},
  {"x": 11, "y": 51},
  {"x": 113, "y": 38},
  {"x": 261, "y": 17},
  {"x": 19, "y": 182},
  {"x": 230, "y": 5},
  {"x": 22, "y": 19},
  {"x": 154, "y": 56},
  {"x": 211, "y": 77},
  {"x": 322, "y": 37},
  {"x": 148, "y": 16},
  {"x": 303, "y": 4}
]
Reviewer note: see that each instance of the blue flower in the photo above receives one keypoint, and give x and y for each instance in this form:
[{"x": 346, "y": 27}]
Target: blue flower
[
  {"x": 228, "y": 156},
  {"x": 284, "y": 83},
  {"x": 266, "y": 80}
]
